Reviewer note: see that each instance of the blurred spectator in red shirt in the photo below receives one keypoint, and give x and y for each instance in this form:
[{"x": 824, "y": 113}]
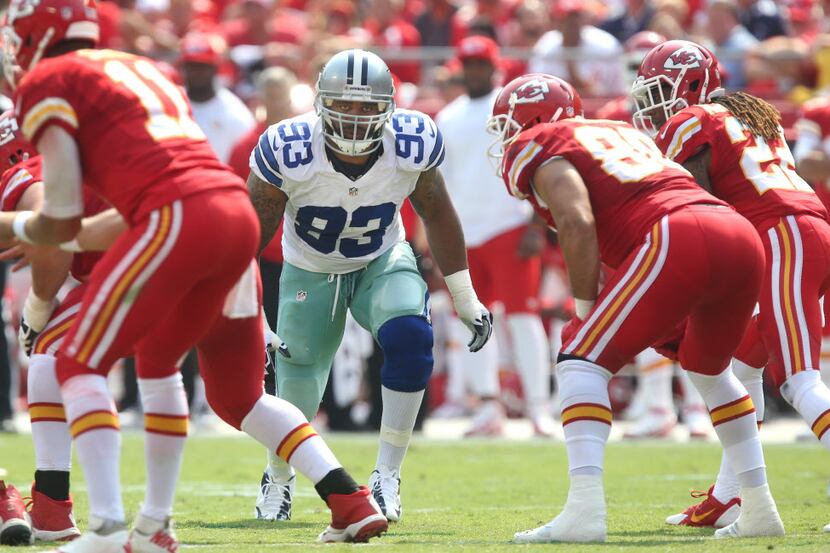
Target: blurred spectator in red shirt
[
  {"x": 255, "y": 24},
  {"x": 389, "y": 29},
  {"x": 438, "y": 24}
]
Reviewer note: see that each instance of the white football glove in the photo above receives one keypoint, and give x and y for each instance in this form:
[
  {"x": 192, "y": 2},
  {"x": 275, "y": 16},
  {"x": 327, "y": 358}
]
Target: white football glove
[
  {"x": 472, "y": 313},
  {"x": 33, "y": 319}
]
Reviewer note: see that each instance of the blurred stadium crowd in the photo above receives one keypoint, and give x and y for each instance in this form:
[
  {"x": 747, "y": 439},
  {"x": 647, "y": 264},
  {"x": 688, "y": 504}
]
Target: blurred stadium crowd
[{"x": 246, "y": 64}]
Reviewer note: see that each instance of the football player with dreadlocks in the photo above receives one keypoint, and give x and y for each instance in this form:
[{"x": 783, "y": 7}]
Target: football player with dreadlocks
[{"x": 734, "y": 146}]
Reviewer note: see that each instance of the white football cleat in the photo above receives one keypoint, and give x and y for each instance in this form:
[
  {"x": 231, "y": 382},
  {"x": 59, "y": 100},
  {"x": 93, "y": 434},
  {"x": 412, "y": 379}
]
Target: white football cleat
[
  {"x": 488, "y": 421},
  {"x": 102, "y": 536},
  {"x": 386, "y": 489},
  {"x": 584, "y": 518},
  {"x": 274, "y": 499},
  {"x": 759, "y": 516},
  {"x": 655, "y": 423},
  {"x": 827, "y": 528},
  {"x": 152, "y": 536}
]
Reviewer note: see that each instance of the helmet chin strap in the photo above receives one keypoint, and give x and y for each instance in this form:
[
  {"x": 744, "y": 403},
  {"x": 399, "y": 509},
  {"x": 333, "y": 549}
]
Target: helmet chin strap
[{"x": 41, "y": 47}]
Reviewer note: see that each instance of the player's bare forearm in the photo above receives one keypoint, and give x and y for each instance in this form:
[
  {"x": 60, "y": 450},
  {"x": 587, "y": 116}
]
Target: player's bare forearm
[
  {"x": 446, "y": 239},
  {"x": 41, "y": 229},
  {"x": 698, "y": 166},
  {"x": 50, "y": 267},
  {"x": 561, "y": 187},
  {"x": 100, "y": 231},
  {"x": 814, "y": 166},
  {"x": 269, "y": 203}
]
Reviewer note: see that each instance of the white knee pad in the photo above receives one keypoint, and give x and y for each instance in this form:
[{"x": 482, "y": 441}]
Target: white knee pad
[{"x": 582, "y": 382}]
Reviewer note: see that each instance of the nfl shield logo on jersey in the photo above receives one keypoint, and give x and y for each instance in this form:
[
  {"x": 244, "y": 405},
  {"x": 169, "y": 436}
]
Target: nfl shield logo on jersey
[
  {"x": 301, "y": 295},
  {"x": 353, "y": 191}
]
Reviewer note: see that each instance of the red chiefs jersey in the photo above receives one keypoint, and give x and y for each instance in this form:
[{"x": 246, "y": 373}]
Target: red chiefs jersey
[
  {"x": 17, "y": 179},
  {"x": 756, "y": 176},
  {"x": 140, "y": 148},
  {"x": 630, "y": 184}
]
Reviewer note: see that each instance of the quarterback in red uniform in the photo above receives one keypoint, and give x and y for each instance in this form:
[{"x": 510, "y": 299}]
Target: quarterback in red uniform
[
  {"x": 734, "y": 146},
  {"x": 182, "y": 274},
  {"x": 679, "y": 254}
]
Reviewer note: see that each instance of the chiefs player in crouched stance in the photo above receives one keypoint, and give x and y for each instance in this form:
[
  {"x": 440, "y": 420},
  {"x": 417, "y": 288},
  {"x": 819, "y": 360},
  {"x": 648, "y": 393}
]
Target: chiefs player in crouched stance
[
  {"x": 173, "y": 279},
  {"x": 735, "y": 147},
  {"x": 679, "y": 254}
]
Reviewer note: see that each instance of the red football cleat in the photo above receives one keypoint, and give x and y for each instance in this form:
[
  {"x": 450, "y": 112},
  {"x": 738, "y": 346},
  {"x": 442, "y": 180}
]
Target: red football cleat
[
  {"x": 52, "y": 520},
  {"x": 14, "y": 522},
  {"x": 709, "y": 512},
  {"x": 354, "y": 518}
]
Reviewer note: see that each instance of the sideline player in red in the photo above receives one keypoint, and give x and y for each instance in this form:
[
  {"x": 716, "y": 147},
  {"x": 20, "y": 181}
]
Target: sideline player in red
[
  {"x": 734, "y": 146},
  {"x": 679, "y": 254},
  {"x": 183, "y": 274}
]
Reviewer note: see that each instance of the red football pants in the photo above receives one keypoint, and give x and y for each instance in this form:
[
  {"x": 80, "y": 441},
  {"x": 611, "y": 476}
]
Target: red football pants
[
  {"x": 500, "y": 275},
  {"x": 702, "y": 262},
  {"x": 797, "y": 276},
  {"x": 161, "y": 289}
]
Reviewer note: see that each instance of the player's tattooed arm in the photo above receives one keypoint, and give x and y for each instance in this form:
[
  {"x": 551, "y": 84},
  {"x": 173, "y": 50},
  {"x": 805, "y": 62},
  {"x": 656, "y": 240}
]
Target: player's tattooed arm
[
  {"x": 698, "y": 166},
  {"x": 269, "y": 203},
  {"x": 446, "y": 239},
  {"x": 562, "y": 189}
]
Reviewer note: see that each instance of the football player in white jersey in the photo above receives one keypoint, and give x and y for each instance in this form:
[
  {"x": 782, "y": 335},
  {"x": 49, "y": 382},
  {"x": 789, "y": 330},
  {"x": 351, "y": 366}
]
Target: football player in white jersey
[{"x": 339, "y": 175}]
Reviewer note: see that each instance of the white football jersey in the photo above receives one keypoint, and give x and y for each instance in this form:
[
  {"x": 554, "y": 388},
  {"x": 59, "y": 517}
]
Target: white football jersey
[{"x": 332, "y": 223}]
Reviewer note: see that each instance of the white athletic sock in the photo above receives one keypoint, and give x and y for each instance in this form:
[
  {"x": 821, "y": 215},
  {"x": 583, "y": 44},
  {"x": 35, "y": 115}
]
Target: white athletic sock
[
  {"x": 586, "y": 414},
  {"x": 727, "y": 485},
  {"x": 50, "y": 433},
  {"x": 654, "y": 374},
  {"x": 165, "y": 432},
  {"x": 733, "y": 417},
  {"x": 281, "y": 427},
  {"x": 692, "y": 402},
  {"x": 400, "y": 409},
  {"x": 532, "y": 354},
  {"x": 93, "y": 424},
  {"x": 811, "y": 398}
]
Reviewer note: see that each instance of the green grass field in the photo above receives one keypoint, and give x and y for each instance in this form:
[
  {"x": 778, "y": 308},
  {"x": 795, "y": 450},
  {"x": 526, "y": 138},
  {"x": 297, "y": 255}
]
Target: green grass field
[{"x": 467, "y": 496}]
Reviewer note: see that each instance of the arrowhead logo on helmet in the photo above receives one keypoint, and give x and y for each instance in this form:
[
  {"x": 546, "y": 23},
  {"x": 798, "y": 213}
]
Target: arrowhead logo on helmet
[
  {"x": 687, "y": 57},
  {"x": 530, "y": 92}
]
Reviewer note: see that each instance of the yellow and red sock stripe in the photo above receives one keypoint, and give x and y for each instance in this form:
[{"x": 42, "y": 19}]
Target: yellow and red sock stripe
[
  {"x": 733, "y": 410},
  {"x": 293, "y": 439},
  {"x": 167, "y": 425},
  {"x": 94, "y": 420},
  {"x": 46, "y": 412},
  {"x": 586, "y": 412},
  {"x": 607, "y": 315},
  {"x": 821, "y": 424},
  {"x": 123, "y": 285}
]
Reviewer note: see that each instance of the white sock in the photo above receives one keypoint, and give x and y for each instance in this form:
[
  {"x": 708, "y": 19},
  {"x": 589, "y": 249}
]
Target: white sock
[
  {"x": 400, "y": 409},
  {"x": 93, "y": 423},
  {"x": 654, "y": 373},
  {"x": 753, "y": 380},
  {"x": 165, "y": 432},
  {"x": 733, "y": 417},
  {"x": 692, "y": 401},
  {"x": 726, "y": 485},
  {"x": 532, "y": 354},
  {"x": 50, "y": 433},
  {"x": 282, "y": 428},
  {"x": 586, "y": 414},
  {"x": 811, "y": 398}
]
